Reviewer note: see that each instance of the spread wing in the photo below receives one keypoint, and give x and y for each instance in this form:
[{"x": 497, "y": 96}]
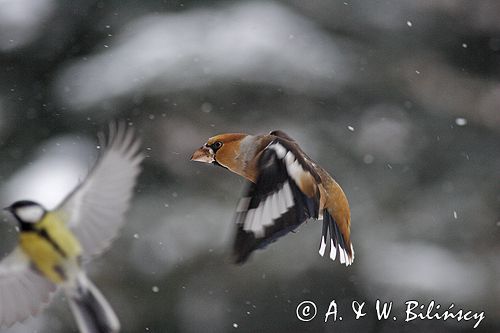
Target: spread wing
[
  {"x": 95, "y": 209},
  {"x": 284, "y": 195},
  {"x": 22, "y": 291}
]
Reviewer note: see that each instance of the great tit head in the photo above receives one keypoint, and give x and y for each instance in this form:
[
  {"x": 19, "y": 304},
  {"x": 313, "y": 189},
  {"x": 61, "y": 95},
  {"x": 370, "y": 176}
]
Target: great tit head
[{"x": 26, "y": 211}]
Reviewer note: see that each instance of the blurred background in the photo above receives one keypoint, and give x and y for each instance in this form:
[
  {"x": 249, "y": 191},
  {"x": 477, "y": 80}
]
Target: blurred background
[{"x": 399, "y": 100}]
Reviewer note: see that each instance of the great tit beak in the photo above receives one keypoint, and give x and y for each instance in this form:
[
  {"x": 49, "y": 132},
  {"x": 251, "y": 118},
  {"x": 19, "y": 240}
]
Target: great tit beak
[
  {"x": 204, "y": 154},
  {"x": 6, "y": 209}
]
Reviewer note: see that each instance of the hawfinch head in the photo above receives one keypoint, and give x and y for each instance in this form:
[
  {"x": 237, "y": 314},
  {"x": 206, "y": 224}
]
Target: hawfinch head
[{"x": 222, "y": 150}]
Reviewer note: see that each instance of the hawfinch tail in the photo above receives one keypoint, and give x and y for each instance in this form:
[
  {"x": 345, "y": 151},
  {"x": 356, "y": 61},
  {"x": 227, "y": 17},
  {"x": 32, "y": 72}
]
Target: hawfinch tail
[{"x": 286, "y": 189}]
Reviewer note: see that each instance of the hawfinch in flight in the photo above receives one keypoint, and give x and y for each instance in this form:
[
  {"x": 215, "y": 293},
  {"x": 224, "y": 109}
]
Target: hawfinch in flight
[{"x": 286, "y": 189}]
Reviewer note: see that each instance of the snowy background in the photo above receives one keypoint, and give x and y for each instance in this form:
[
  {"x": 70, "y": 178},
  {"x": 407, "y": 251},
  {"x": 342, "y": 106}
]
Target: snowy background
[{"x": 399, "y": 100}]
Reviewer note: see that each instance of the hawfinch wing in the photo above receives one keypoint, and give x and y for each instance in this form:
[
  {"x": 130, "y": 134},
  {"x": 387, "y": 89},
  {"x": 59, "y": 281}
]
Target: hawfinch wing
[
  {"x": 275, "y": 204},
  {"x": 288, "y": 190}
]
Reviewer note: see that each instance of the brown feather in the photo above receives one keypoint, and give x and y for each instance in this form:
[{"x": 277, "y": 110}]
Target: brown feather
[{"x": 335, "y": 201}]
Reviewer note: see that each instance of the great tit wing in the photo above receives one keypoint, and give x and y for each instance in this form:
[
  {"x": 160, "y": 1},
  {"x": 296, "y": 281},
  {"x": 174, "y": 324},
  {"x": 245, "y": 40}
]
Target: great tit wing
[
  {"x": 284, "y": 195},
  {"x": 23, "y": 292},
  {"x": 95, "y": 209}
]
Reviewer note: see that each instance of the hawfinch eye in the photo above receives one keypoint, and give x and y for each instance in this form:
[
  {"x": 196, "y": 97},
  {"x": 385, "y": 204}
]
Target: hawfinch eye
[{"x": 216, "y": 145}]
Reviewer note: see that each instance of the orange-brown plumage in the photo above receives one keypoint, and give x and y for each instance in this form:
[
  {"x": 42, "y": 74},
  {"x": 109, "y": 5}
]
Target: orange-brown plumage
[{"x": 287, "y": 188}]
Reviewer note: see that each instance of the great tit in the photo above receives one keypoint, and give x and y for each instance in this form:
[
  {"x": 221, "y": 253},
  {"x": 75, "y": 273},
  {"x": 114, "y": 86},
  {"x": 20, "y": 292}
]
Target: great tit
[{"x": 54, "y": 244}]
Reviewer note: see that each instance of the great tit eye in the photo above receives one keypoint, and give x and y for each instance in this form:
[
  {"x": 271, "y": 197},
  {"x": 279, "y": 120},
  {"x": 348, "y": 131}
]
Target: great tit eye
[{"x": 216, "y": 145}]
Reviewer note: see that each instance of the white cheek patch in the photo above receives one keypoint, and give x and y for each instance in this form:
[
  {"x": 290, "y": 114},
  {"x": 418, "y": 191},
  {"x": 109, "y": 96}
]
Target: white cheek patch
[{"x": 30, "y": 214}]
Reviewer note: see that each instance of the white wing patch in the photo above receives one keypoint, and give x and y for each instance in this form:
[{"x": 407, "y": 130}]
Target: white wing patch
[
  {"x": 293, "y": 167},
  {"x": 270, "y": 209},
  {"x": 243, "y": 204},
  {"x": 279, "y": 202},
  {"x": 275, "y": 204},
  {"x": 288, "y": 195},
  {"x": 247, "y": 225},
  {"x": 279, "y": 149}
]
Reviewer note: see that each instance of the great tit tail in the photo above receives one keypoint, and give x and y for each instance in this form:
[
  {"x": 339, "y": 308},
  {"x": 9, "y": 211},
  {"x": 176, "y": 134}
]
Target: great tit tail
[{"x": 92, "y": 312}]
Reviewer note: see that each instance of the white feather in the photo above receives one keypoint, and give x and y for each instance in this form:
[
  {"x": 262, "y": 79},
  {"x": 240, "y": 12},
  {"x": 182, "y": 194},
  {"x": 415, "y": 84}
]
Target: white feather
[
  {"x": 95, "y": 210},
  {"x": 293, "y": 167},
  {"x": 243, "y": 204},
  {"x": 259, "y": 220},
  {"x": 248, "y": 220},
  {"x": 275, "y": 206},
  {"x": 281, "y": 200},
  {"x": 287, "y": 192},
  {"x": 267, "y": 212},
  {"x": 279, "y": 149},
  {"x": 342, "y": 255},
  {"x": 322, "y": 248},
  {"x": 333, "y": 250}
]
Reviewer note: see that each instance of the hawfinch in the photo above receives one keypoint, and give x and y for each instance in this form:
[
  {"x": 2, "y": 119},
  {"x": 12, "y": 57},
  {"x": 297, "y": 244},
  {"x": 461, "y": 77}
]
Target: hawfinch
[{"x": 286, "y": 188}]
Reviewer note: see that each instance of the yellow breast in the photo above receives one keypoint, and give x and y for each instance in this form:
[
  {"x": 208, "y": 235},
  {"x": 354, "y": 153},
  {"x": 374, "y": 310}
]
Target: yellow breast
[{"x": 52, "y": 248}]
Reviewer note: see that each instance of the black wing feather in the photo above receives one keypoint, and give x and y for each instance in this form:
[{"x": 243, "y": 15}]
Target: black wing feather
[{"x": 273, "y": 175}]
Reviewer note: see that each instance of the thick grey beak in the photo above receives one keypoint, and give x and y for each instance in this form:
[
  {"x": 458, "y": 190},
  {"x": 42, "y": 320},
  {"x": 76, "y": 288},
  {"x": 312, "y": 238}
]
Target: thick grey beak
[{"x": 204, "y": 154}]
